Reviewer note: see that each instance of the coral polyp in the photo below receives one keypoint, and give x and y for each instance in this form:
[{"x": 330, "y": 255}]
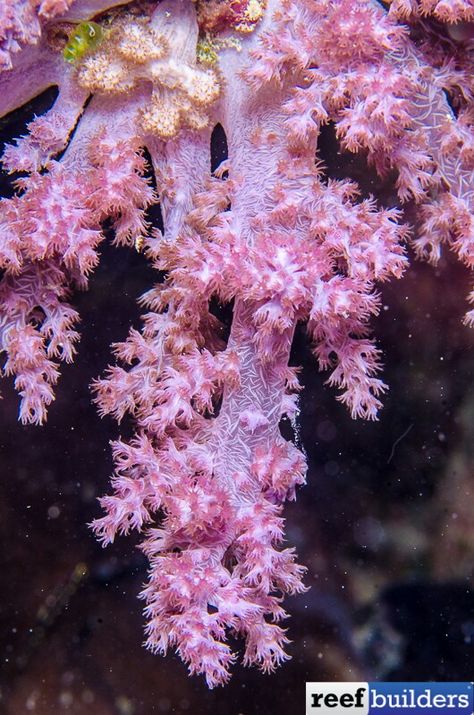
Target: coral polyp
[
  {"x": 242, "y": 16},
  {"x": 158, "y": 55}
]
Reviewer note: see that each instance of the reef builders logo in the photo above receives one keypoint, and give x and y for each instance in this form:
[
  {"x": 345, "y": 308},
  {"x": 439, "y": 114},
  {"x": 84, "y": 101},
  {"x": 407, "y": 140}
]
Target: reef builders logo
[{"x": 389, "y": 699}]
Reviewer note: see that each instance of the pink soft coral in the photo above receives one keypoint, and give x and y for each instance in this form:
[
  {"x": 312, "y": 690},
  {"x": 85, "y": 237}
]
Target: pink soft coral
[
  {"x": 207, "y": 473},
  {"x": 20, "y": 23},
  {"x": 445, "y": 10},
  {"x": 51, "y": 235}
]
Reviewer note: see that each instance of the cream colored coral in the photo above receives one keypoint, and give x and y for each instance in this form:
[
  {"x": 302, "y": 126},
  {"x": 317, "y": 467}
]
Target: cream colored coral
[
  {"x": 202, "y": 86},
  {"x": 253, "y": 13},
  {"x": 140, "y": 50},
  {"x": 100, "y": 73},
  {"x": 162, "y": 116},
  {"x": 167, "y": 112},
  {"x": 140, "y": 44}
]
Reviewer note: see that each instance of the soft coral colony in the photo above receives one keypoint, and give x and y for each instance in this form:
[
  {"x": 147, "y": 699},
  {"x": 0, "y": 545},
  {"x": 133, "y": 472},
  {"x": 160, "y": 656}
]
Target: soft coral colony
[{"x": 207, "y": 472}]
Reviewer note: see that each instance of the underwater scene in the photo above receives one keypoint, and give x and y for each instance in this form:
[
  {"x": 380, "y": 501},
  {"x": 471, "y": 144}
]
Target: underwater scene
[{"x": 236, "y": 337}]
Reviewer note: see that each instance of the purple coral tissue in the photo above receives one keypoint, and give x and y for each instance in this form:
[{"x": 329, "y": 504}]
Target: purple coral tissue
[{"x": 206, "y": 475}]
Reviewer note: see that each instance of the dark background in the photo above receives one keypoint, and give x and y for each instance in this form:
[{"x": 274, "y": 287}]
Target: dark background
[{"x": 384, "y": 524}]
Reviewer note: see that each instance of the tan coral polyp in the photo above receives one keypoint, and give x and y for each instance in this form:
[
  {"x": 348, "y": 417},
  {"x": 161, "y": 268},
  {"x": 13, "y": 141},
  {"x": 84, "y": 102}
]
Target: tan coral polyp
[
  {"x": 139, "y": 44},
  {"x": 134, "y": 52},
  {"x": 161, "y": 117}
]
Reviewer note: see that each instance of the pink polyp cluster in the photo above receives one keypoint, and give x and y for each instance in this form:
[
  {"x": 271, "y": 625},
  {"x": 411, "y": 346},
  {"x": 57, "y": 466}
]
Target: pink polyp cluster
[
  {"x": 20, "y": 24},
  {"x": 451, "y": 11},
  {"x": 268, "y": 236}
]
